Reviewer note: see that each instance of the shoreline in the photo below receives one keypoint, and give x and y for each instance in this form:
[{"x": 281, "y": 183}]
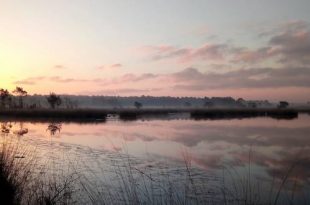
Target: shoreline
[{"x": 134, "y": 114}]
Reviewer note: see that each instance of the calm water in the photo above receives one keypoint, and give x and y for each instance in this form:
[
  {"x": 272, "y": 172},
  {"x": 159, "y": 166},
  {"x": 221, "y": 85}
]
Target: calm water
[{"x": 263, "y": 150}]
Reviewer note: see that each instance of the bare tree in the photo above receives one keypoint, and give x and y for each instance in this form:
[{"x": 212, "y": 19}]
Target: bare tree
[
  {"x": 19, "y": 91},
  {"x": 54, "y": 100}
]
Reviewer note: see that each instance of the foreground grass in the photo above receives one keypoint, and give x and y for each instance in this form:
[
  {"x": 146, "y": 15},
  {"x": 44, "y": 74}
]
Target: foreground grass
[
  {"x": 24, "y": 181},
  {"x": 21, "y": 184},
  {"x": 160, "y": 186}
]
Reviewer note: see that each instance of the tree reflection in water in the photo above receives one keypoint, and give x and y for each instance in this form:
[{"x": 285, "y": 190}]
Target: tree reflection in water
[
  {"x": 53, "y": 128},
  {"x": 21, "y": 131},
  {"x": 5, "y": 128}
]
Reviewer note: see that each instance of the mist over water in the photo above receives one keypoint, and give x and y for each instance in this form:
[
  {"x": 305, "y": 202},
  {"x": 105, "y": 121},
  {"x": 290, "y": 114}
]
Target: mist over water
[{"x": 263, "y": 147}]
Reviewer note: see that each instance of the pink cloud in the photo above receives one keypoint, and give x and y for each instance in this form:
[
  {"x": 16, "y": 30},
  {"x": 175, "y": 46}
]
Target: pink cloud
[
  {"x": 213, "y": 52},
  {"x": 117, "y": 65},
  {"x": 253, "y": 56},
  {"x": 288, "y": 44}
]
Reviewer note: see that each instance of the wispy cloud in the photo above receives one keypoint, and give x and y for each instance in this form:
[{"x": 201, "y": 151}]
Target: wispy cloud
[
  {"x": 185, "y": 54},
  {"x": 192, "y": 79},
  {"x": 287, "y": 44},
  {"x": 56, "y": 79},
  {"x": 121, "y": 91},
  {"x": 117, "y": 65},
  {"x": 235, "y": 68},
  {"x": 29, "y": 81},
  {"x": 110, "y": 67},
  {"x": 59, "y": 67}
]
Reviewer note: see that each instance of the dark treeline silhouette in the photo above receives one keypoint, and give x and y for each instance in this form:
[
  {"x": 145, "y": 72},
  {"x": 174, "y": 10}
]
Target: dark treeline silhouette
[
  {"x": 20, "y": 99},
  {"x": 70, "y": 107}
]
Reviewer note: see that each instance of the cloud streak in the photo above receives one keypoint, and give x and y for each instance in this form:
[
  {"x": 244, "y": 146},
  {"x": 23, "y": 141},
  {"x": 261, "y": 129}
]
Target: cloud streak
[
  {"x": 287, "y": 45},
  {"x": 205, "y": 52},
  {"x": 282, "y": 63},
  {"x": 110, "y": 67},
  {"x": 56, "y": 79},
  {"x": 193, "y": 79},
  {"x": 59, "y": 67}
]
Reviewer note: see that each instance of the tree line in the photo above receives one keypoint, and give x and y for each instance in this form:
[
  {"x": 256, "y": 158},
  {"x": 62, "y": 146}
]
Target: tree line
[
  {"x": 15, "y": 100},
  {"x": 7, "y": 99}
]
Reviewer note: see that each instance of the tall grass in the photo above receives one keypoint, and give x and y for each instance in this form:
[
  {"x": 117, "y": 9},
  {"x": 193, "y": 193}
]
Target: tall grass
[
  {"x": 22, "y": 181},
  {"x": 244, "y": 187},
  {"x": 128, "y": 180},
  {"x": 131, "y": 183}
]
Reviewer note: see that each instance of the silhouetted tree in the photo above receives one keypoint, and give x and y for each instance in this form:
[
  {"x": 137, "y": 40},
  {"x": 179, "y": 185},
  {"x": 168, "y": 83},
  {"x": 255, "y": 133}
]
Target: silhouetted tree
[
  {"x": 283, "y": 104},
  {"x": 4, "y": 96},
  {"x": 138, "y": 105},
  {"x": 54, "y": 100},
  {"x": 19, "y": 91}
]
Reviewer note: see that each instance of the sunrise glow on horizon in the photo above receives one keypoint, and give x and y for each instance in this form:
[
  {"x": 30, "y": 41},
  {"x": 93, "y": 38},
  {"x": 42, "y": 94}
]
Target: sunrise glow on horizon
[{"x": 250, "y": 49}]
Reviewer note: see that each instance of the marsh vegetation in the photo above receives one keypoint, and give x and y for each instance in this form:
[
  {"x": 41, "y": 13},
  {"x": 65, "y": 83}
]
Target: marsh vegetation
[
  {"x": 49, "y": 164},
  {"x": 63, "y": 154}
]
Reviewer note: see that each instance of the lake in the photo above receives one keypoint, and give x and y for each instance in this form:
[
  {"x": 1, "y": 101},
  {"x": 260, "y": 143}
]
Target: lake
[{"x": 175, "y": 159}]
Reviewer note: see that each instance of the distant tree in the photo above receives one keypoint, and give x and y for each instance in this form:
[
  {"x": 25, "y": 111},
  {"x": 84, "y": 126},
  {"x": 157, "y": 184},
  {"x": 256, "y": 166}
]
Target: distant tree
[
  {"x": 19, "y": 91},
  {"x": 70, "y": 104},
  {"x": 54, "y": 100},
  {"x": 4, "y": 97},
  {"x": 187, "y": 104},
  {"x": 252, "y": 105},
  {"x": 33, "y": 106},
  {"x": 241, "y": 102},
  {"x": 283, "y": 104},
  {"x": 208, "y": 104},
  {"x": 138, "y": 105}
]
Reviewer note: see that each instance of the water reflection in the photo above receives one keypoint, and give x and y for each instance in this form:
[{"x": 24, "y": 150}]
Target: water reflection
[
  {"x": 21, "y": 131},
  {"x": 275, "y": 145},
  {"x": 53, "y": 128},
  {"x": 6, "y": 128}
]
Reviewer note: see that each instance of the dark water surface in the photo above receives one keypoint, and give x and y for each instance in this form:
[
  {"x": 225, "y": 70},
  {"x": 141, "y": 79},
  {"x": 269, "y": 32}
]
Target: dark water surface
[{"x": 246, "y": 157}]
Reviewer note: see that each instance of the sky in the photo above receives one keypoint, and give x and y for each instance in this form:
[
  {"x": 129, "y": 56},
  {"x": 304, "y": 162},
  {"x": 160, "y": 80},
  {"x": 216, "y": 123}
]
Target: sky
[{"x": 254, "y": 49}]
